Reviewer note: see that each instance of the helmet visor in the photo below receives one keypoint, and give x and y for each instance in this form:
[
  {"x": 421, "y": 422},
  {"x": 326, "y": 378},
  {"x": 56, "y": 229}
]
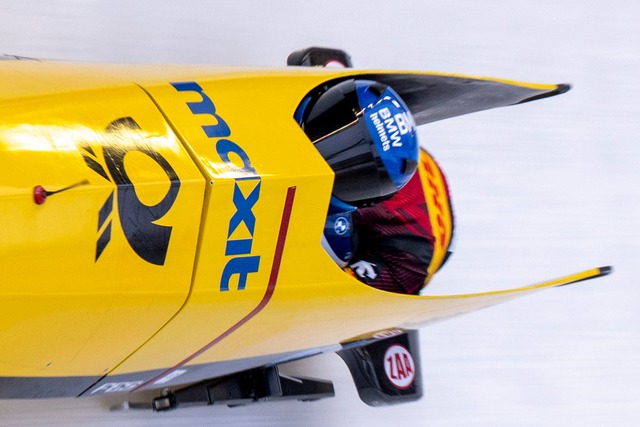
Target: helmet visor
[{"x": 360, "y": 175}]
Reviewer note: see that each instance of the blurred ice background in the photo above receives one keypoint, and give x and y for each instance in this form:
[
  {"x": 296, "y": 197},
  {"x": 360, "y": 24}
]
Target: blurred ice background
[{"x": 540, "y": 190}]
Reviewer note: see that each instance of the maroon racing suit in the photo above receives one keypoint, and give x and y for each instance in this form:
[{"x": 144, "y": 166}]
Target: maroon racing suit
[{"x": 396, "y": 239}]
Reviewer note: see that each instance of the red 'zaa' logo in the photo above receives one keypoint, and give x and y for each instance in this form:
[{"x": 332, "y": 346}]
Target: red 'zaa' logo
[{"x": 399, "y": 366}]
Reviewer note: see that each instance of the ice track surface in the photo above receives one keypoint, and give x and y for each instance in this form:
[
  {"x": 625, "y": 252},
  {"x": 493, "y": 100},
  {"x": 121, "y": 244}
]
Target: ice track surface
[{"x": 540, "y": 190}]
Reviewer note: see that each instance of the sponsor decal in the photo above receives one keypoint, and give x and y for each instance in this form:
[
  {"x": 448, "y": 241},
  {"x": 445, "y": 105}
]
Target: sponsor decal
[
  {"x": 365, "y": 269},
  {"x": 390, "y": 127},
  {"x": 241, "y": 262},
  {"x": 435, "y": 183},
  {"x": 399, "y": 366},
  {"x": 341, "y": 225},
  {"x": 170, "y": 376},
  {"x": 388, "y": 333},
  {"x": 118, "y": 387},
  {"x": 150, "y": 241}
]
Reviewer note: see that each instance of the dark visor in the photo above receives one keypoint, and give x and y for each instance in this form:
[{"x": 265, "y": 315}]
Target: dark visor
[
  {"x": 361, "y": 177},
  {"x": 338, "y": 129}
]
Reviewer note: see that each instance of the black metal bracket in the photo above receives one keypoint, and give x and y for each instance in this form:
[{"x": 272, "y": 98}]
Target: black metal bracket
[
  {"x": 387, "y": 371},
  {"x": 242, "y": 388}
]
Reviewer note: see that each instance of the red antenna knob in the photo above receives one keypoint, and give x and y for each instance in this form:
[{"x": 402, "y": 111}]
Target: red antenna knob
[{"x": 39, "y": 194}]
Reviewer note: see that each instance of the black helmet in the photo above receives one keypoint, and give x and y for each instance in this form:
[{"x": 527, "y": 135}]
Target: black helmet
[{"x": 367, "y": 135}]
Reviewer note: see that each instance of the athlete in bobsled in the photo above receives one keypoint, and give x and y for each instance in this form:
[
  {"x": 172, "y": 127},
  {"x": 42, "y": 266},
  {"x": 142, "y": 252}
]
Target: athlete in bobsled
[{"x": 390, "y": 221}]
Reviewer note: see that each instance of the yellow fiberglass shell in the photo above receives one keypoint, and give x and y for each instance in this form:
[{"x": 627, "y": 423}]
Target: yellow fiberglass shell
[
  {"x": 182, "y": 222},
  {"x": 76, "y": 295}
]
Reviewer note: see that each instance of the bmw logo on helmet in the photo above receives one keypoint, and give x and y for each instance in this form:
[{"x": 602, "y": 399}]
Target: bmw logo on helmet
[
  {"x": 341, "y": 225},
  {"x": 338, "y": 238}
]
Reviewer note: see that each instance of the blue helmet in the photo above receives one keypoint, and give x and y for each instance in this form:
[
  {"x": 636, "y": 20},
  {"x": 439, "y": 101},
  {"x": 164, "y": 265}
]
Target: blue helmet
[{"x": 366, "y": 134}]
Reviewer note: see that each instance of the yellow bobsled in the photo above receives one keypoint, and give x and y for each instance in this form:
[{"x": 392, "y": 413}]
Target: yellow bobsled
[{"x": 161, "y": 225}]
